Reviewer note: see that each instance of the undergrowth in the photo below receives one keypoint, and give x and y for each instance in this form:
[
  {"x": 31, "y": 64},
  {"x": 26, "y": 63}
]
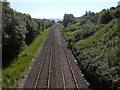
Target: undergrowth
[{"x": 19, "y": 66}]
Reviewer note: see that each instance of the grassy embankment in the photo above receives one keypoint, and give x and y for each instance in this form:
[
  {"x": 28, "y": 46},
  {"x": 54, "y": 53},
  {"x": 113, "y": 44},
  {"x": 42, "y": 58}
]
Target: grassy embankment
[
  {"x": 19, "y": 66},
  {"x": 94, "y": 40}
]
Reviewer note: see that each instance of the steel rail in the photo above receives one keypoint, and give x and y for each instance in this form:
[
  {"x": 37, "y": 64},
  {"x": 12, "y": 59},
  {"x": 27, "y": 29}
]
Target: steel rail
[
  {"x": 50, "y": 65},
  {"x": 41, "y": 66},
  {"x": 63, "y": 78},
  {"x": 73, "y": 75}
]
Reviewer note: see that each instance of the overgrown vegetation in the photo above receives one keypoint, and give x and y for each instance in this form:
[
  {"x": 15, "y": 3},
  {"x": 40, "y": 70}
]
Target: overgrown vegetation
[
  {"x": 17, "y": 69},
  {"x": 68, "y": 18},
  {"x": 18, "y": 30},
  {"x": 22, "y": 36},
  {"x": 94, "y": 40}
]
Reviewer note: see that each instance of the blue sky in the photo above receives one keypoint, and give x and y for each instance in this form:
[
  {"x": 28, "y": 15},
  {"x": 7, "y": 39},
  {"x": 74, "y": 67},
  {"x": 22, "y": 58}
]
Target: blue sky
[{"x": 57, "y": 8}]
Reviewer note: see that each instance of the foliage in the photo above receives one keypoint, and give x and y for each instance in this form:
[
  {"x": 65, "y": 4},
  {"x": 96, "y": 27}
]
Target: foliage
[
  {"x": 68, "y": 18},
  {"x": 60, "y": 22},
  {"x": 94, "y": 40},
  {"x": 12, "y": 38},
  {"x": 105, "y": 17},
  {"x": 16, "y": 71},
  {"x": 17, "y": 30}
]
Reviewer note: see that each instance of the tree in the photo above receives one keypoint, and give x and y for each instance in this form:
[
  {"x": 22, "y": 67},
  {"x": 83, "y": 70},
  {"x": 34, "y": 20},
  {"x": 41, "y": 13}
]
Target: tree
[
  {"x": 12, "y": 38},
  {"x": 53, "y": 21},
  {"x": 59, "y": 22},
  {"x": 68, "y": 18},
  {"x": 105, "y": 17},
  {"x": 31, "y": 30},
  {"x": 117, "y": 13},
  {"x": 17, "y": 30}
]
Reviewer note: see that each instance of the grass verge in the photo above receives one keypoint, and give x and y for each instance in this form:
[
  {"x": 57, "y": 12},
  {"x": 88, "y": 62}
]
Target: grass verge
[{"x": 19, "y": 66}]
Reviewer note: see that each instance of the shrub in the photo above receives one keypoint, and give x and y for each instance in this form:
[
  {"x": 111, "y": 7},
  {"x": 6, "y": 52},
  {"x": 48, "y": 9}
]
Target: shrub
[{"x": 105, "y": 17}]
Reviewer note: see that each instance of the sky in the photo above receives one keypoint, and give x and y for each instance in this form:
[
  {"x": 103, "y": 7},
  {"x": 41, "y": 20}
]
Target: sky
[{"x": 57, "y": 8}]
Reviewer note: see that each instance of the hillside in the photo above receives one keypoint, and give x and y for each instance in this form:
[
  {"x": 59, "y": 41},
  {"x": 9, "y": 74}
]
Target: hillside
[{"x": 94, "y": 40}]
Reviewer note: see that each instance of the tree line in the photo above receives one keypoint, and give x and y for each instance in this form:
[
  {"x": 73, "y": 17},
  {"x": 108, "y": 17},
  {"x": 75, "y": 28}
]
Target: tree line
[{"x": 18, "y": 30}]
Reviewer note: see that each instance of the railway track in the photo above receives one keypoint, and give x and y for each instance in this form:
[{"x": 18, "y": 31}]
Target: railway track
[
  {"x": 74, "y": 78},
  {"x": 61, "y": 66},
  {"x": 40, "y": 70},
  {"x": 79, "y": 79},
  {"x": 37, "y": 82},
  {"x": 56, "y": 69}
]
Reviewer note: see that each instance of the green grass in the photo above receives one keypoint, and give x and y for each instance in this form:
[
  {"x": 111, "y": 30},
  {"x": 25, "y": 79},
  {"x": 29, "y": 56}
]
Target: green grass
[
  {"x": 19, "y": 66},
  {"x": 0, "y": 79}
]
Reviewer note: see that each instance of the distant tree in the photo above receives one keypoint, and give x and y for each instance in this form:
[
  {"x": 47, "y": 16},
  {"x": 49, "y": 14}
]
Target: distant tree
[
  {"x": 53, "y": 21},
  {"x": 68, "y": 18},
  {"x": 59, "y": 22},
  {"x": 117, "y": 13},
  {"x": 31, "y": 30},
  {"x": 89, "y": 13},
  {"x": 105, "y": 17},
  {"x": 112, "y": 8},
  {"x": 47, "y": 23},
  {"x": 103, "y": 10}
]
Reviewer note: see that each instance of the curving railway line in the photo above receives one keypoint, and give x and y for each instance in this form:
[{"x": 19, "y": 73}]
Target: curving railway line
[{"x": 55, "y": 66}]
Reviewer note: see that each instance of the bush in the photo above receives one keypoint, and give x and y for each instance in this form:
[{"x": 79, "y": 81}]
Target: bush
[
  {"x": 105, "y": 17},
  {"x": 95, "y": 44}
]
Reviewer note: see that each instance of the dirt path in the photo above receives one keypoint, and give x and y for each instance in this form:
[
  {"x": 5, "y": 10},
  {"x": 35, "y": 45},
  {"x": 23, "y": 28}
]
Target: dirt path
[{"x": 55, "y": 66}]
